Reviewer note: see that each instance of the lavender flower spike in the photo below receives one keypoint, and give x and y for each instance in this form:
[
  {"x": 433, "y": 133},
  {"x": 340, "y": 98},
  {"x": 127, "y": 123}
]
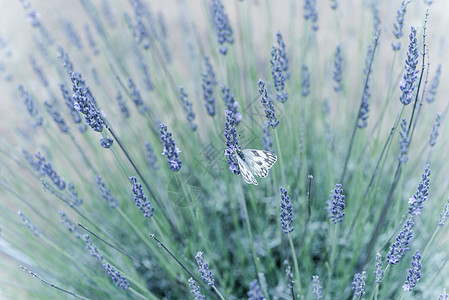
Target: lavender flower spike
[
  {"x": 195, "y": 290},
  {"x": 119, "y": 280},
  {"x": 266, "y": 101},
  {"x": 378, "y": 272},
  {"x": 404, "y": 142},
  {"x": 187, "y": 105},
  {"x": 208, "y": 84},
  {"x": 417, "y": 200},
  {"x": 232, "y": 144},
  {"x": 222, "y": 26},
  {"x": 336, "y": 204},
  {"x": 400, "y": 246},
  {"x": 106, "y": 193},
  {"x": 139, "y": 197},
  {"x": 358, "y": 285},
  {"x": 286, "y": 212},
  {"x": 203, "y": 266},
  {"x": 399, "y": 25},
  {"x": 434, "y": 86},
  {"x": 171, "y": 151},
  {"x": 230, "y": 103},
  {"x": 317, "y": 288},
  {"x": 93, "y": 250},
  {"x": 443, "y": 295},
  {"x": 407, "y": 84},
  {"x": 434, "y": 134},
  {"x": 278, "y": 74},
  {"x": 414, "y": 273},
  {"x": 254, "y": 291},
  {"x": 444, "y": 215},
  {"x": 338, "y": 69}
]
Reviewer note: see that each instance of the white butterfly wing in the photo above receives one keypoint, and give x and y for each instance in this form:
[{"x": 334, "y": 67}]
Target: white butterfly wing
[
  {"x": 259, "y": 161},
  {"x": 245, "y": 170}
]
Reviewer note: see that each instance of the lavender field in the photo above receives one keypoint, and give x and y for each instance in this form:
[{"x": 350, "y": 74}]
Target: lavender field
[{"x": 224, "y": 149}]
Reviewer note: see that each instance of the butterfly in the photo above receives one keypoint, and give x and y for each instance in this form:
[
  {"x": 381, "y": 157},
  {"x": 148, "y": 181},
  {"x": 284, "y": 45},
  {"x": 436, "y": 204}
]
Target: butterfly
[{"x": 254, "y": 162}]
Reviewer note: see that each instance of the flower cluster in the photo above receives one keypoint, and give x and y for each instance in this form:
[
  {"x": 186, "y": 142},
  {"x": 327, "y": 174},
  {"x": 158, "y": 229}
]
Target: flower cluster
[
  {"x": 29, "y": 224},
  {"x": 317, "y": 288},
  {"x": 283, "y": 59},
  {"x": 444, "y": 215},
  {"x": 407, "y": 84},
  {"x": 336, "y": 204},
  {"x": 122, "y": 105},
  {"x": 136, "y": 97},
  {"x": 106, "y": 142},
  {"x": 71, "y": 227},
  {"x": 139, "y": 197},
  {"x": 266, "y": 101},
  {"x": 254, "y": 292},
  {"x": 195, "y": 290},
  {"x": 414, "y": 273},
  {"x": 222, "y": 26},
  {"x": 76, "y": 200},
  {"x": 208, "y": 84},
  {"x": 203, "y": 267},
  {"x": 399, "y": 25},
  {"x": 305, "y": 80},
  {"x": 171, "y": 151},
  {"x": 310, "y": 13},
  {"x": 434, "y": 86},
  {"x": 338, "y": 69},
  {"x": 358, "y": 285},
  {"x": 93, "y": 250},
  {"x": 434, "y": 134},
  {"x": 267, "y": 139},
  {"x": 232, "y": 144},
  {"x": 151, "y": 157},
  {"x": 46, "y": 169},
  {"x": 187, "y": 105},
  {"x": 278, "y": 74},
  {"x": 286, "y": 212},
  {"x": 378, "y": 272},
  {"x": 106, "y": 193},
  {"x": 230, "y": 103},
  {"x": 415, "y": 203},
  {"x": 400, "y": 245},
  {"x": 119, "y": 280},
  {"x": 31, "y": 106},
  {"x": 54, "y": 113},
  {"x": 69, "y": 101}
]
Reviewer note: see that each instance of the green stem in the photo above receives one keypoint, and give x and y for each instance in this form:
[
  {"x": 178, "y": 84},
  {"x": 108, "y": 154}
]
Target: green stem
[
  {"x": 281, "y": 161},
  {"x": 295, "y": 263}
]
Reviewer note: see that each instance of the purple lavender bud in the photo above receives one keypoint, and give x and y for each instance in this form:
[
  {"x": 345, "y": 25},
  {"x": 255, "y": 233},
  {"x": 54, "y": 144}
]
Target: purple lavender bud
[
  {"x": 136, "y": 97},
  {"x": 443, "y": 295},
  {"x": 85, "y": 103},
  {"x": 305, "y": 80},
  {"x": 38, "y": 70},
  {"x": 187, "y": 105},
  {"x": 444, "y": 215},
  {"x": 278, "y": 75},
  {"x": 336, "y": 205},
  {"x": 75, "y": 199},
  {"x": 71, "y": 227},
  {"x": 106, "y": 142},
  {"x": 317, "y": 288},
  {"x": 46, "y": 169},
  {"x": 72, "y": 35},
  {"x": 222, "y": 26},
  {"x": 119, "y": 280},
  {"x": 399, "y": 25},
  {"x": 232, "y": 144},
  {"x": 434, "y": 86},
  {"x": 203, "y": 267},
  {"x": 404, "y": 142},
  {"x": 414, "y": 273},
  {"x": 400, "y": 245},
  {"x": 230, "y": 103},
  {"x": 267, "y": 103},
  {"x": 106, "y": 193},
  {"x": 378, "y": 272},
  {"x": 434, "y": 134},
  {"x": 415, "y": 203},
  {"x": 29, "y": 224},
  {"x": 195, "y": 290},
  {"x": 208, "y": 84},
  {"x": 358, "y": 285},
  {"x": 407, "y": 84},
  {"x": 286, "y": 212},
  {"x": 70, "y": 104},
  {"x": 255, "y": 292},
  {"x": 364, "y": 108},
  {"x": 93, "y": 250},
  {"x": 139, "y": 197},
  {"x": 151, "y": 157},
  {"x": 171, "y": 151},
  {"x": 122, "y": 105},
  {"x": 338, "y": 69},
  {"x": 30, "y": 106},
  {"x": 310, "y": 13},
  {"x": 91, "y": 40},
  {"x": 30, "y": 159},
  {"x": 66, "y": 62},
  {"x": 283, "y": 59},
  {"x": 267, "y": 139},
  {"x": 56, "y": 117}
]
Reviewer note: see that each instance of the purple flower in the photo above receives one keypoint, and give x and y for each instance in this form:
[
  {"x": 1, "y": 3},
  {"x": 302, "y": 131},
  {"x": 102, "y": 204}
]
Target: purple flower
[
  {"x": 106, "y": 142},
  {"x": 415, "y": 203},
  {"x": 444, "y": 215},
  {"x": 286, "y": 212},
  {"x": 139, "y": 197},
  {"x": 187, "y": 105},
  {"x": 267, "y": 139},
  {"x": 56, "y": 117},
  {"x": 305, "y": 80},
  {"x": 31, "y": 106},
  {"x": 266, "y": 101},
  {"x": 38, "y": 70},
  {"x": 407, "y": 84},
  {"x": 195, "y": 290},
  {"x": 399, "y": 25},
  {"x": 434, "y": 134},
  {"x": 404, "y": 142},
  {"x": 222, "y": 26},
  {"x": 119, "y": 280},
  {"x": 434, "y": 86},
  {"x": 358, "y": 285},
  {"x": 122, "y": 105},
  {"x": 336, "y": 204},
  {"x": 208, "y": 84},
  {"x": 278, "y": 74},
  {"x": 203, "y": 267},
  {"x": 29, "y": 224},
  {"x": 283, "y": 59},
  {"x": 378, "y": 272},
  {"x": 106, "y": 193},
  {"x": 93, "y": 250},
  {"x": 317, "y": 288},
  {"x": 136, "y": 97},
  {"x": 414, "y": 273},
  {"x": 171, "y": 151},
  {"x": 254, "y": 292},
  {"x": 46, "y": 169},
  {"x": 232, "y": 144},
  {"x": 310, "y": 13},
  {"x": 75, "y": 199},
  {"x": 151, "y": 157},
  {"x": 443, "y": 295},
  {"x": 69, "y": 101},
  {"x": 400, "y": 245},
  {"x": 338, "y": 69},
  {"x": 230, "y": 103},
  {"x": 71, "y": 227}
]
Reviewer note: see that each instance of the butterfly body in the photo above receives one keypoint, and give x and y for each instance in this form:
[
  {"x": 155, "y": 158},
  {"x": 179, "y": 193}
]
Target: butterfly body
[{"x": 254, "y": 162}]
